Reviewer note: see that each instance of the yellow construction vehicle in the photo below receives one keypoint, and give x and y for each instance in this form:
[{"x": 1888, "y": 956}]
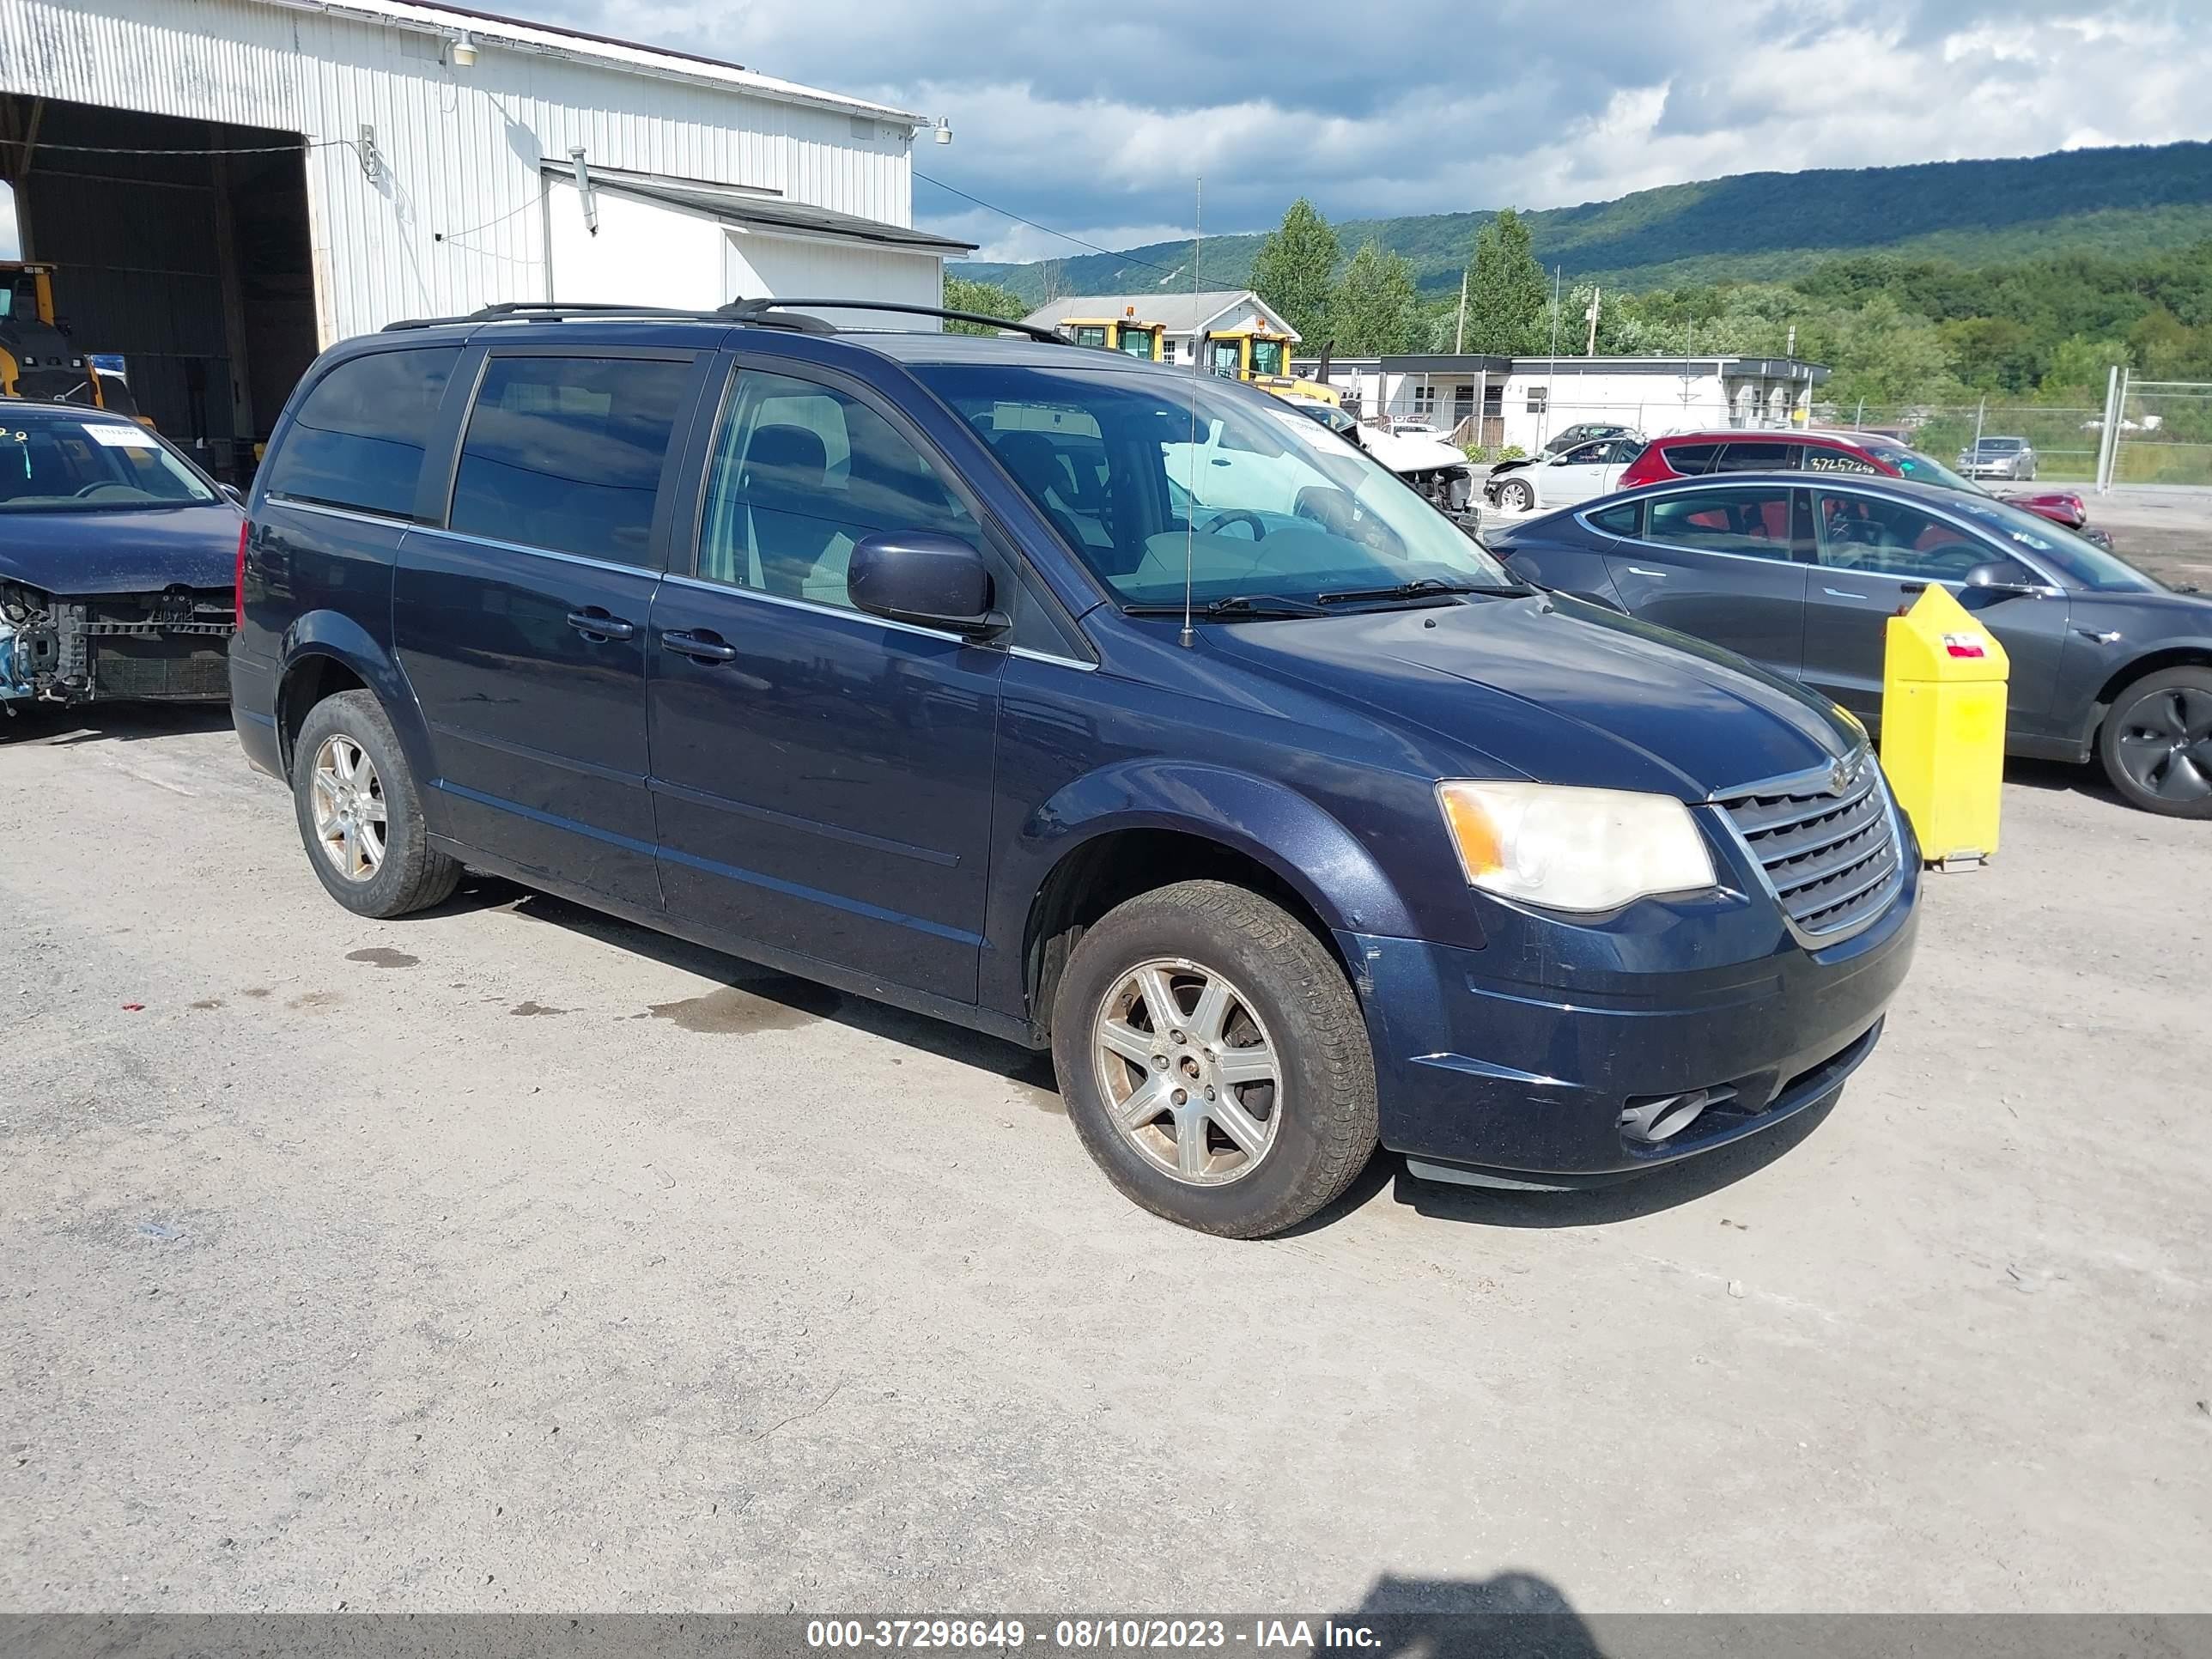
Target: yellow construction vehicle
[
  {"x": 1124, "y": 334},
  {"x": 37, "y": 360},
  {"x": 1248, "y": 354}
]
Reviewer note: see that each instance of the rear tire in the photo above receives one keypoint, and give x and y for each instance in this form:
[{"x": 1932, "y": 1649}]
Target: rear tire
[
  {"x": 359, "y": 813},
  {"x": 2155, "y": 744},
  {"x": 1257, "y": 1019}
]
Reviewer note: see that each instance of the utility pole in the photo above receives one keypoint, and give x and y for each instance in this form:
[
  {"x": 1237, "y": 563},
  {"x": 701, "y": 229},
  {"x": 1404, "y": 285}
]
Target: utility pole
[
  {"x": 1597, "y": 302},
  {"x": 1459, "y": 335},
  {"x": 1552, "y": 387}
]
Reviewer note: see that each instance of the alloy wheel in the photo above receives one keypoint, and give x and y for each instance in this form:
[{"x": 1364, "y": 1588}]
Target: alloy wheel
[
  {"x": 2166, "y": 744},
  {"x": 352, "y": 820},
  {"x": 1189, "y": 1073}
]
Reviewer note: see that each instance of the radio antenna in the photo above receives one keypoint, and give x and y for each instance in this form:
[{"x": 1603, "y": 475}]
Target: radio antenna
[{"x": 1197, "y": 349}]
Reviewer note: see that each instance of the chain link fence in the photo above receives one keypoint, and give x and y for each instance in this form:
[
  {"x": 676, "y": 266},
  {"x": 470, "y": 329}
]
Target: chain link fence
[
  {"x": 2049, "y": 443},
  {"x": 2165, "y": 433}
]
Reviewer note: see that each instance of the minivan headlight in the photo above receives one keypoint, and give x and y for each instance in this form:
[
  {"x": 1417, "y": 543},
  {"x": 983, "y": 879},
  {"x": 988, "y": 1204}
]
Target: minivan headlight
[{"x": 1573, "y": 850}]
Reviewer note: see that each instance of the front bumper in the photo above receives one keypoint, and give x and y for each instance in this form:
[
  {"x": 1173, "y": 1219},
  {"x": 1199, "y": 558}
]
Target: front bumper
[{"x": 1525, "y": 1057}]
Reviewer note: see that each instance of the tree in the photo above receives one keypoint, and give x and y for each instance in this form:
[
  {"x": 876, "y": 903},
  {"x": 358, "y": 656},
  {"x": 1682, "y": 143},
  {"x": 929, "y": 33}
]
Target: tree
[
  {"x": 1507, "y": 297},
  {"x": 988, "y": 298},
  {"x": 1375, "y": 310},
  {"x": 1292, "y": 271}
]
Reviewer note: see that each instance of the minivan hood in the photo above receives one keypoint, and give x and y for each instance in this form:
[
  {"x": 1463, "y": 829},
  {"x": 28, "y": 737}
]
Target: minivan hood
[
  {"x": 134, "y": 551},
  {"x": 1560, "y": 691}
]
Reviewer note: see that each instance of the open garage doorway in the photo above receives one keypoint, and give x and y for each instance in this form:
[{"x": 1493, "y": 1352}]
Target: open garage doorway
[{"x": 178, "y": 246}]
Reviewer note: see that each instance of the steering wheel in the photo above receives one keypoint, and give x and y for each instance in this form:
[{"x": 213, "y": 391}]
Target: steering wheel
[
  {"x": 1235, "y": 515},
  {"x": 1954, "y": 559}
]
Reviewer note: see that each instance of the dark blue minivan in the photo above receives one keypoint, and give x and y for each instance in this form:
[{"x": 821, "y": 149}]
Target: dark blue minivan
[{"x": 1095, "y": 704}]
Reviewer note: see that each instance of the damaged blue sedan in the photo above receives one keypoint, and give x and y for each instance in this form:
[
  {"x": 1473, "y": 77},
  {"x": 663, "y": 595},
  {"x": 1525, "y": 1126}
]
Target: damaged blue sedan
[{"x": 117, "y": 563}]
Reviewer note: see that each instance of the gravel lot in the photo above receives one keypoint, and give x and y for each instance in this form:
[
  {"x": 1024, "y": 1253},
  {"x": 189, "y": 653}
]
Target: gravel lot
[{"x": 511, "y": 1258}]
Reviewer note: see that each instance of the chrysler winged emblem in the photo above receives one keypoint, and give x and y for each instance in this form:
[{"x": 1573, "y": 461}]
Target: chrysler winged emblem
[{"x": 1842, "y": 774}]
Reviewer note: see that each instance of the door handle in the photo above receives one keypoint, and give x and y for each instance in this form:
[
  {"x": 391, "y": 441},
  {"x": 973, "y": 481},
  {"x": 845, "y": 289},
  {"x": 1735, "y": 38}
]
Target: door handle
[
  {"x": 1838, "y": 593},
  {"x": 700, "y": 647},
  {"x": 594, "y": 623},
  {"x": 1912, "y": 587},
  {"x": 1638, "y": 570}
]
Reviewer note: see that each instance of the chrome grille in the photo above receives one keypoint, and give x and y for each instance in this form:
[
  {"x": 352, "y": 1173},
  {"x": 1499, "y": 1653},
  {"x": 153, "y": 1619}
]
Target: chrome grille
[{"x": 1827, "y": 843}]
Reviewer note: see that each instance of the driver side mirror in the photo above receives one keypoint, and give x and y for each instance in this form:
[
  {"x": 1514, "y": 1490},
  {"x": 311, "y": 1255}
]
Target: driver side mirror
[
  {"x": 923, "y": 577},
  {"x": 2005, "y": 576},
  {"x": 232, "y": 493}
]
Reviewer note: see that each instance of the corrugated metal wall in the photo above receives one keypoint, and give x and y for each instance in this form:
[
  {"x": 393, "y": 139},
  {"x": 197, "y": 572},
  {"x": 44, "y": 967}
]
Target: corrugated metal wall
[{"x": 452, "y": 220}]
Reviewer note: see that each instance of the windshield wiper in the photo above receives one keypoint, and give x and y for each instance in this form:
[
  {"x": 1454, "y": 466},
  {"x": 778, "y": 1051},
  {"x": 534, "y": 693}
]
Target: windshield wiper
[
  {"x": 1238, "y": 607},
  {"x": 1425, "y": 587}
]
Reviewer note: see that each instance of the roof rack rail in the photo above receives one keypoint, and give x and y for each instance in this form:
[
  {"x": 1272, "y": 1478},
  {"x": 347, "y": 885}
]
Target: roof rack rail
[
  {"x": 755, "y": 311},
  {"x": 552, "y": 310},
  {"x": 763, "y": 313}
]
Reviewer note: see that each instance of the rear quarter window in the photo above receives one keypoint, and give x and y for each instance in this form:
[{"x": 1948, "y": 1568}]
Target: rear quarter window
[
  {"x": 1625, "y": 520},
  {"x": 357, "y": 440},
  {"x": 1691, "y": 461}
]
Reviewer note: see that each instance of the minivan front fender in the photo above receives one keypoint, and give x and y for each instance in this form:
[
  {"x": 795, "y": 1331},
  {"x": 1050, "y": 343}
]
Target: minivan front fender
[{"x": 1284, "y": 833}]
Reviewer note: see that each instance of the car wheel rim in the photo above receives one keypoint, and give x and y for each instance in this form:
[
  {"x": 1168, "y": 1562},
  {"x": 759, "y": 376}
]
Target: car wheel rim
[
  {"x": 1516, "y": 497},
  {"x": 2166, "y": 744},
  {"x": 1188, "y": 1072},
  {"x": 352, "y": 818}
]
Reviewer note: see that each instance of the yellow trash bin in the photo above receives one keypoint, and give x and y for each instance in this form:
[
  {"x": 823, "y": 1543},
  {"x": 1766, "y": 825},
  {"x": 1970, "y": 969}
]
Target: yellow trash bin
[{"x": 1943, "y": 726}]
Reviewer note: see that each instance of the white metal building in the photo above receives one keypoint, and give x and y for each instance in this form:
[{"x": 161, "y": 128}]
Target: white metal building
[
  {"x": 323, "y": 168},
  {"x": 1524, "y": 400}
]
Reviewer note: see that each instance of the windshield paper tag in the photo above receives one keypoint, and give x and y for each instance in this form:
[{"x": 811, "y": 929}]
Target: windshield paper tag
[{"x": 122, "y": 437}]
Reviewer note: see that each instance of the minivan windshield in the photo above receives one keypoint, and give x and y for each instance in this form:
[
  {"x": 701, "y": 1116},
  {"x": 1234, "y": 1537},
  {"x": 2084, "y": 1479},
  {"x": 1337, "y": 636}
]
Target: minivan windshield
[
  {"x": 1138, "y": 471},
  {"x": 53, "y": 465}
]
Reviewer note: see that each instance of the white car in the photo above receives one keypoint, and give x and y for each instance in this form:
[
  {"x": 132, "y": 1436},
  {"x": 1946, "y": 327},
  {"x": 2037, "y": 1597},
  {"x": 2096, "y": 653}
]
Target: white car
[
  {"x": 1433, "y": 466},
  {"x": 1574, "y": 475}
]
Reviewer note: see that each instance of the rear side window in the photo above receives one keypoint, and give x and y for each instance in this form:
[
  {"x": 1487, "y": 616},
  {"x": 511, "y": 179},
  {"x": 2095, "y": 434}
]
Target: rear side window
[
  {"x": 566, "y": 453},
  {"x": 1820, "y": 459},
  {"x": 357, "y": 440},
  {"x": 1691, "y": 461},
  {"x": 1758, "y": 457},
  {"x": 1754, "y": 522}
]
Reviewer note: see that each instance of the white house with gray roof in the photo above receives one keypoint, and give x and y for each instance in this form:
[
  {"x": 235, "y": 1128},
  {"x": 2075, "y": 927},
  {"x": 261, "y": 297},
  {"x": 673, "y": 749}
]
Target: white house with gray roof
[{"x": 1186, "y": 318}]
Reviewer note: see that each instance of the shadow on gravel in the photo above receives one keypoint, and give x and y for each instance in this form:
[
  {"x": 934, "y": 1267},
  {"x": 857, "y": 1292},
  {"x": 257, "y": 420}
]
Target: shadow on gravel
[
  {"x": 1663, "y": 1188},
  {"x": 2056, "y": 777},
  {"x": 752, "y": 992},
  {"x": 121, "y": 722},
  {"x": 1513, "y": 1613}
]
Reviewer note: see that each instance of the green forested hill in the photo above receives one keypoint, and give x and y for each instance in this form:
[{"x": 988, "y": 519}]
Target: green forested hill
[{"x": 1754, "y": 226}]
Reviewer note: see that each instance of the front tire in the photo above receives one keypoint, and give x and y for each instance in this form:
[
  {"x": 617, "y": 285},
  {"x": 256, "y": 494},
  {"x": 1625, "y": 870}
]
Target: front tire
[
  {"x": 1515, "y": 496},
  {"x": 1213, "y": 1059},
  {"x": 2157, "y": 744},
  {"x": 359, "y": 813}
]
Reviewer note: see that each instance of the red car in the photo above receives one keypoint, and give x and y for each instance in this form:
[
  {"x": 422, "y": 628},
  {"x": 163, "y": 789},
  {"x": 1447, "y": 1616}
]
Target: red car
[{"x": 1691, "y": 454}]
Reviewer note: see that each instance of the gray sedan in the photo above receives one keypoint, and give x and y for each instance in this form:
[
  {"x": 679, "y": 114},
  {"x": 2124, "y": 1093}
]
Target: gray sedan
[
  {"x": 1800, "y": 574},
  {"x": 1998, "y": 458}
]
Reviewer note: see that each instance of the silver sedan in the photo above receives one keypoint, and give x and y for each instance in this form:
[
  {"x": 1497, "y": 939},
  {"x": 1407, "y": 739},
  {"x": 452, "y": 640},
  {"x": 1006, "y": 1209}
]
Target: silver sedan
[{"x": 1998, "y": 458}]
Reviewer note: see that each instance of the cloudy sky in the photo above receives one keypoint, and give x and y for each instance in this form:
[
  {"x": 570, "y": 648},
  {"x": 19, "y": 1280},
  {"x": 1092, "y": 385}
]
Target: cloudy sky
[{"x": 1094, "y": 119}]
